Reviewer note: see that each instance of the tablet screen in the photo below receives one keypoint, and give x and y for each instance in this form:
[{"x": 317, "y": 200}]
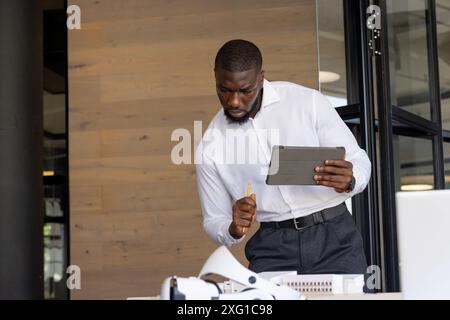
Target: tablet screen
[{"x": 296, "y": 165}]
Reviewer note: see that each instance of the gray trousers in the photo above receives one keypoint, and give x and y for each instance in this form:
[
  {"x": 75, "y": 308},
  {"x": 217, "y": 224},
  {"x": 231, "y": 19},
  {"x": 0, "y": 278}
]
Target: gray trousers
[{"x": 334, "y": 246}]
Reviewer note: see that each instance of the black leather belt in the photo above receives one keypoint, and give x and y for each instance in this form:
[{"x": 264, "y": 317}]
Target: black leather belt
[{"x": 309, "y": 220}]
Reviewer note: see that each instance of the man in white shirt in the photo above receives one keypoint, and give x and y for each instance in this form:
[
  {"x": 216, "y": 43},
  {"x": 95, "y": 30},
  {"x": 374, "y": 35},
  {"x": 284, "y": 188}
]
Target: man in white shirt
[{"x": 303, "y": 228}]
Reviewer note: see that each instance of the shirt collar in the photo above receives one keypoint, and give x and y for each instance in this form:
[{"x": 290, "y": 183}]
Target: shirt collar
[{"x": 270, "y": 95}]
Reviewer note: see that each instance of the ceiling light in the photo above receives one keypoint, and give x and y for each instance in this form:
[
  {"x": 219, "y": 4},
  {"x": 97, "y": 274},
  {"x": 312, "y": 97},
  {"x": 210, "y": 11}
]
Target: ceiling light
[
  {"x": 416, "y": 187},
  {"x": 328, "y": 77}
]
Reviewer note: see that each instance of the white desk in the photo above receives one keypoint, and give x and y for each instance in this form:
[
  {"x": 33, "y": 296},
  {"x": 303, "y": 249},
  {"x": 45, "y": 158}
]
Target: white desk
[
  {"x": 377, "y": 296},
  {"x": 368, "y": 296}
]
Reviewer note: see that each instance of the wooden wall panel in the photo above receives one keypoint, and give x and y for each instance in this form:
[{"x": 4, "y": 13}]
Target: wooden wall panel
[{"x": 138, "y": 70}]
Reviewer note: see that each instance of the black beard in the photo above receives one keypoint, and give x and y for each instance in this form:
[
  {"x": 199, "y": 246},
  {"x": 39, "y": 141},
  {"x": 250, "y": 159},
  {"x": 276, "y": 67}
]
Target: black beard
[{"x": 245, "y": 118}]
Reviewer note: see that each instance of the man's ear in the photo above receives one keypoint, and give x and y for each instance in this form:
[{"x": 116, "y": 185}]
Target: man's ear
[{"x": 262, "y": 75}]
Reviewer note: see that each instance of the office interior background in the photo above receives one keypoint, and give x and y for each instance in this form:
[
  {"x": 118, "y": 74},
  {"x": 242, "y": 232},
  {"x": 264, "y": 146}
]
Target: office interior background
[{"x": 108, "y": 198}]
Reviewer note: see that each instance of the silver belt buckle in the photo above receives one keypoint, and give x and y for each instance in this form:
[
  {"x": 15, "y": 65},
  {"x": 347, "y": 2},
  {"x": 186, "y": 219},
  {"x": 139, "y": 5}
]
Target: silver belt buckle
[{"x": 297, "y": 227}]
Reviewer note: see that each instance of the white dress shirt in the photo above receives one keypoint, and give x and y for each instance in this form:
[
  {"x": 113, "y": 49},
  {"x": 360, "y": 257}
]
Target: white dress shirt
[{"x": 290, "y": 115}]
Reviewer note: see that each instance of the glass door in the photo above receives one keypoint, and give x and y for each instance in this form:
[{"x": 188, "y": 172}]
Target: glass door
[
  {"x": 388, "y": 94},
  {"x": 408, "y": 112}
]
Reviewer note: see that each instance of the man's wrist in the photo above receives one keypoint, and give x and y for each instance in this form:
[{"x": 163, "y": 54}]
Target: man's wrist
[
  {"x": 351, "y": 185},
  {"x": 232, "y": 230}
]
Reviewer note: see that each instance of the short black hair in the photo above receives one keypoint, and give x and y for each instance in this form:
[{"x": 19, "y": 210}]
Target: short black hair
[{"x": 239, "y": 55}]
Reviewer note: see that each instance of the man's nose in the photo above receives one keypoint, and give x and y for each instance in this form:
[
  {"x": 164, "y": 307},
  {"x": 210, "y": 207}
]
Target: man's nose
[{"x": 234, "y": 100}]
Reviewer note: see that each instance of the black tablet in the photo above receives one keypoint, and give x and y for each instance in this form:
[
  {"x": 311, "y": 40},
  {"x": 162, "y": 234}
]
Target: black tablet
[{"x": 296, "y": 165}]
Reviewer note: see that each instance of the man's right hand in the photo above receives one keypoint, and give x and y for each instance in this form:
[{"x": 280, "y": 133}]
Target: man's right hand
[{"x": 244, "y": 214}]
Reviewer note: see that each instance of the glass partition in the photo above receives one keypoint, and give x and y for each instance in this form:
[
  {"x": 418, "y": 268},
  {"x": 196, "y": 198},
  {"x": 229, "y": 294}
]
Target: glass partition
[{"x": 408, "y": 55}]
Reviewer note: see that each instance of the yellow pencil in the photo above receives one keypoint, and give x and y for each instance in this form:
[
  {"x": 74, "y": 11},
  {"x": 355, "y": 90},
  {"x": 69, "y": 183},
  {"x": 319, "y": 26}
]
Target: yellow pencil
[{"x": 249, "y": 192}]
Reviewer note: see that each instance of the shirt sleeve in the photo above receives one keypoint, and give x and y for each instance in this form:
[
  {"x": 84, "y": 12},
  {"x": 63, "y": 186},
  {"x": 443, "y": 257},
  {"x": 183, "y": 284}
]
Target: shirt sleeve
[
  {"x": 216, "y": 204},
  {"x": 333, "y": 132}
]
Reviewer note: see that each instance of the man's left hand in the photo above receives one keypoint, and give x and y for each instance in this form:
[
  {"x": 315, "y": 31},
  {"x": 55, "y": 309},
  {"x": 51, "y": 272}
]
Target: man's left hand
[{"x": 336, "y": 174}]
